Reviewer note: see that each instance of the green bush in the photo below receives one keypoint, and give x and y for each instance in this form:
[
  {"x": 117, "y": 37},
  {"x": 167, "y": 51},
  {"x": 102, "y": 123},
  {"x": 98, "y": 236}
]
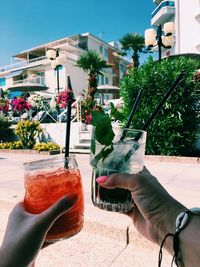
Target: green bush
[
  {"x": 46, "y": 146},
  {"x": 174, "y": 131},
  {"x": 6, "y": 132},
  {"x": 28, "y": 132}
]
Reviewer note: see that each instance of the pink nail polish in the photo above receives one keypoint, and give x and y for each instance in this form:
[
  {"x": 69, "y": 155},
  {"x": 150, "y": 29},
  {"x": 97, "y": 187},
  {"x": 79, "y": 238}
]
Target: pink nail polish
[{"x": 101, "y": 179}]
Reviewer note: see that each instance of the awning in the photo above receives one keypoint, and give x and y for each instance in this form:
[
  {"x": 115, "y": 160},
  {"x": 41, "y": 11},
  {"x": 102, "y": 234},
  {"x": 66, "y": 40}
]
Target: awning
[
  {"x": 14, "y": 73},
  {"x": 106, "y": 88}
]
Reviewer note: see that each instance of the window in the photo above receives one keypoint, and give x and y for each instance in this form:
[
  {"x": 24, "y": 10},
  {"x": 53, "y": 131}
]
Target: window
[
  {"x": 2, "y": 81},
  {"x": 101, "y": 49},
  {"x": 122, "y": 68},
  {"x": 106, "y": 80},
  {"x": 102, "y": 79},
  {"x": 106, "y": 53}
]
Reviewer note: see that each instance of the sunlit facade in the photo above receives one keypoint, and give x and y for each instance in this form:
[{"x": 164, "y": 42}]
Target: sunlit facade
[
  {"x": 186, "y": 16},
  {"x": 31, "y": 70}
]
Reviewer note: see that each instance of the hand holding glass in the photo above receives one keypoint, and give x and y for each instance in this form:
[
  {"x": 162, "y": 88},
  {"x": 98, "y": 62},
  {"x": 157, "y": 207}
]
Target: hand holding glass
[
  {"x": 48, "y": 180},
  {"x": 126, "y": 156}
]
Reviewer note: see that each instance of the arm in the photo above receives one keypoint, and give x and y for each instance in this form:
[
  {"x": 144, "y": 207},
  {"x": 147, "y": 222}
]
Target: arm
[
  {"x": 155, "y": 213},
  {"x": 25, "y": 233}
]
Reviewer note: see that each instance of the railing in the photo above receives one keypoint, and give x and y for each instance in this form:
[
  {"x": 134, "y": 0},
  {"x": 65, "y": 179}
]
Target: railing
[
  {"x": 13, "y": 66},
  {"x": 36, "y": 59},
  {"x": 36, "y": 80},
  {"x": 21, "y": 64},
  {"x": 75, "y": 105},
  {"x": 63, "y": 41},
  {"x": 161, "y": 5}
]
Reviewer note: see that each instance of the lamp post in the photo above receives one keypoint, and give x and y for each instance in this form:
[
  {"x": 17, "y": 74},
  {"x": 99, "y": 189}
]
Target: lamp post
[
  {"x": 160, "y": 38},
  {"x": 57, "y": 58}
]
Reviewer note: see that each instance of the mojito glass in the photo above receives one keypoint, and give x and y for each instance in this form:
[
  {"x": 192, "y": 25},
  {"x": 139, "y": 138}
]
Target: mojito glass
[
  {"x": 48, "y": 180},
  {"x": 125, "y": 156}
]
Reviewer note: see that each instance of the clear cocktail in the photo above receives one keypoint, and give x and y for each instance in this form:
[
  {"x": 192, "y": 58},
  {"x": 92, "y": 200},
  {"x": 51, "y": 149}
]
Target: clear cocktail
[{"x": 125, "y": 156}]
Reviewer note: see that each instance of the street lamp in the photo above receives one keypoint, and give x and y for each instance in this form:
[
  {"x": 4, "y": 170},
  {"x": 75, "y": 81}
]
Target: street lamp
[
  {"x": 58, "y": 58},
  {"x": 160, "y": 38}
]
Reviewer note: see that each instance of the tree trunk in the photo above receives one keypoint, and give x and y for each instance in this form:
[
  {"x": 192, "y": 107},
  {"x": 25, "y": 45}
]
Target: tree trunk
[
  {"x": 92, "y": 85},
  {"x": 135, "y": 58}
]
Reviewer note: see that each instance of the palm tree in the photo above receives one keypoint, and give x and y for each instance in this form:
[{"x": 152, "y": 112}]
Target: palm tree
[
  {"x": 92, "y": 63},
  {"x": 133, "y": 43}
]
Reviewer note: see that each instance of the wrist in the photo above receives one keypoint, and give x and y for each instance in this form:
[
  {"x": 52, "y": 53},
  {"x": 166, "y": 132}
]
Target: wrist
[
  {"x": 189, "y": 249},
  {"x": 167, "y": 223},
  {"x": 185, "y": 240}
]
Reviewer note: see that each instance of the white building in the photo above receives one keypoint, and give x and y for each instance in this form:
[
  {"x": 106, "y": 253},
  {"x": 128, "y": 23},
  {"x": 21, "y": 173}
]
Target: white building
[
  {"x": 31, "y": 70},
  {"x": 186, "y": 16}
]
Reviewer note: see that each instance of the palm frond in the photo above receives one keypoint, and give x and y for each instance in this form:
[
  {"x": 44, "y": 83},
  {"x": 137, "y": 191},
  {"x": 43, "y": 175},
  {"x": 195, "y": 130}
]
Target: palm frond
[
  {"x": 133, "y": 41},
  {"x": 91, "y": 61}
]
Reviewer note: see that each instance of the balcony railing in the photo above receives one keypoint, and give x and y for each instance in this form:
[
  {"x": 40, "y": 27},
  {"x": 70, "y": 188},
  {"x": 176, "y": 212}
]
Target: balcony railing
[
  {"x": 21, "y": 64},
  {"x": 163, "y": 4},
  {"x": 66, "y": 41},
  {"x": 31, "y": 81}
]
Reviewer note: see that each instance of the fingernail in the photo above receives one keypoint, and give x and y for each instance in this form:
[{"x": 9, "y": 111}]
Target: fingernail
[{"x": 101, "y": 179}]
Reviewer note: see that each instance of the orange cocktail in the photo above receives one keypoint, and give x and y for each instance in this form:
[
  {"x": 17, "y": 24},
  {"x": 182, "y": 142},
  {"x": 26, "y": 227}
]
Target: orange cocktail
[{"x": 46, "y": 181}]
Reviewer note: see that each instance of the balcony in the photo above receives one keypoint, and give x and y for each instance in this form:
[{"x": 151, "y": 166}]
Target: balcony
[
  {"x": 23, "y": 65},
  {"x": 163, "y": 13},
  {"x": 29, "y": 84},
  {"x": 109, "y": 71},
  {"x": 39, "y": 55}
]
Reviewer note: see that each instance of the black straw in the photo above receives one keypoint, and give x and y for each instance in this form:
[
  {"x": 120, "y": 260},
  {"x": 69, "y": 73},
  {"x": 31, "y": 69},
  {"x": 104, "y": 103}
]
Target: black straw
[
  {"x": 68, "y": 125},
  {"x": 155, "y": 112},
  {"x": 67, "y": 139},
  {"x": 134, "y": 108}
]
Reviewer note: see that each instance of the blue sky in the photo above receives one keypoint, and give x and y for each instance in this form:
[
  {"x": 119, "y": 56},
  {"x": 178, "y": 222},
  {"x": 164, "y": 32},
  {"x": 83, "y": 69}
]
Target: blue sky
[{"x": 27, "y": 23}]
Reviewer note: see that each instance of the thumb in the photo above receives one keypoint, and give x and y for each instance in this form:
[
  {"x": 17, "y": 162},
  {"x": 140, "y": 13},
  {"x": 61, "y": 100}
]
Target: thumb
[{"x": 58, "y": 208}]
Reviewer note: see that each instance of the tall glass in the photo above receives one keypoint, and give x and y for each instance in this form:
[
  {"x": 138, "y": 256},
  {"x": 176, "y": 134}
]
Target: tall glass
[
  {"x": 48, "y": 180},
  {"x": 126, "y": 156}
]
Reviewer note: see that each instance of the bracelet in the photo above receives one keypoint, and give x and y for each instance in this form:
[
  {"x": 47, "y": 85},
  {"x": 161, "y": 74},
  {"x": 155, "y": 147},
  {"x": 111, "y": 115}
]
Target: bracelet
[{"x": 181, "y": 221}]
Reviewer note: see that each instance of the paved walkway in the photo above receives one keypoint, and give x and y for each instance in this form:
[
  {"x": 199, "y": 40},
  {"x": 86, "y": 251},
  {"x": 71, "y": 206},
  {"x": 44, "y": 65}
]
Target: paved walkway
[{"x": 102, "y": 242}]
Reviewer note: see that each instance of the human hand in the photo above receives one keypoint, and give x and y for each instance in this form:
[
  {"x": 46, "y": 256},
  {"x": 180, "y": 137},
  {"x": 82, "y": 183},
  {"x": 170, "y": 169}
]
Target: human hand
[
  {"x": 25, "y": 233},
  {"x": 155, "y": 210}
]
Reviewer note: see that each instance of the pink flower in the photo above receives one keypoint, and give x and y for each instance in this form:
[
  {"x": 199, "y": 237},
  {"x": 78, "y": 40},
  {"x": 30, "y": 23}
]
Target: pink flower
[
  {"x": 20, "y": 104},
  {"x": 4, "y": 105},
  {"x": 64, "y": 97},
  {"x": 88, "y": 118}
]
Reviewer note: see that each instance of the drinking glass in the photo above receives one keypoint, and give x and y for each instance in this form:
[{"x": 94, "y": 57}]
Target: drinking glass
[
  {"x": 126, "y": 156},
  {"x": 48, "y": 180}
]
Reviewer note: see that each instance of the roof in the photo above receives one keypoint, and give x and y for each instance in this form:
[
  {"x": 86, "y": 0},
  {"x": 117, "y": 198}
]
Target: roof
[
  {"x": 100, "y": 40},
  {"x": 42, "y": 47}
]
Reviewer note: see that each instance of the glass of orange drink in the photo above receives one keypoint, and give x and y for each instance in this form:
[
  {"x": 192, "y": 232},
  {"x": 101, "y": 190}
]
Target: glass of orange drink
[{"x": 48, "y": 180}]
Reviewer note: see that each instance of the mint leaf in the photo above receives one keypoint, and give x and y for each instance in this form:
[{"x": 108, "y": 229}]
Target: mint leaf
[
  {"x": 116, "y": 114},
  {"x": 102, "y": 155},
  {"x": 103, "y": 131}
]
